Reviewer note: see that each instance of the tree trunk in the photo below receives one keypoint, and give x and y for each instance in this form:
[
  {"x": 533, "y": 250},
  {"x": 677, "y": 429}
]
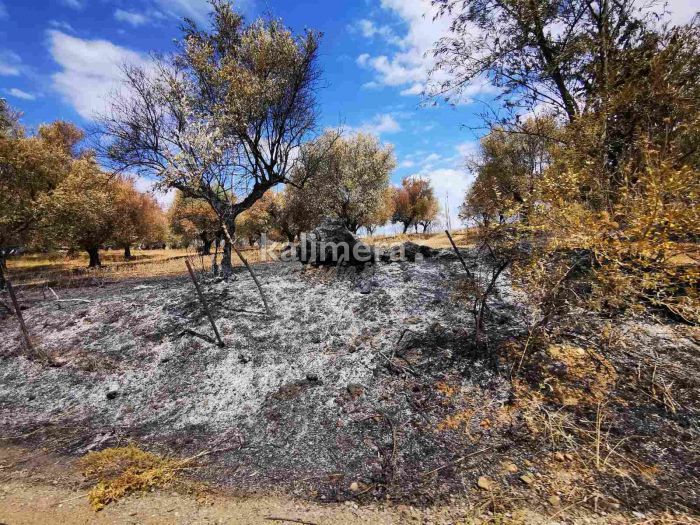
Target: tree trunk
[
  {"x": 94, "y": 253},
  {"x": 206, "y": 245},
  {"x": 3, "y": 266},
  {"x": 127, "y": 252},
  {"x": 226, "y": 264},
  {"x": 406, "y": 226}
]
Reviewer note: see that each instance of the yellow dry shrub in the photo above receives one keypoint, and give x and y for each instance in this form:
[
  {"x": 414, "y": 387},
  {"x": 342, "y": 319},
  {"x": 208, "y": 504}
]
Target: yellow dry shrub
[{"x": 121, "y": 471}]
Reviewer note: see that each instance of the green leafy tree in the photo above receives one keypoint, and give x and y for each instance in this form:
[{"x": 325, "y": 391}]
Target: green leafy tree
[{"x": 347, "y": 178}]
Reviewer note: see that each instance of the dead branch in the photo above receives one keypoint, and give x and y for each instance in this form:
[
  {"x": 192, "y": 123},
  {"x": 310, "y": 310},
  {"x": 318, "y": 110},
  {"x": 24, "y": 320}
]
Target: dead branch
[
  {"x": 249, "y": 268},
  {"x": 204, "y": 303},
  {"x": 290, "y": 520},
  {"x": 455, "y": 462},
  {"x": 454, "y": 246}
]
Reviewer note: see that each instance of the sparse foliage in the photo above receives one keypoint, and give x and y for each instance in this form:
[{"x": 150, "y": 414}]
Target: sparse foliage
[{"x": 229, "y": 110}]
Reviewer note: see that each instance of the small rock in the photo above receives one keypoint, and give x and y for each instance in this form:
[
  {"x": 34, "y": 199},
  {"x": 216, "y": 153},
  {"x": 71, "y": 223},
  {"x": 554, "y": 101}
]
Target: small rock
[
  {"x": 527, "y": 479},
  {"x": 559, "y": 456},
  {"x": 312, "y": 377},
  {"x": 485, "y": 483},
  {"x": 112, "y": 393},
  {"x": 510, "y": 467},
  {"x": 354, "y": 487},
  {"x": 365, "y": 288},
  {"x": 243, "y": 358},
  {"x": 554, "y": 501}
]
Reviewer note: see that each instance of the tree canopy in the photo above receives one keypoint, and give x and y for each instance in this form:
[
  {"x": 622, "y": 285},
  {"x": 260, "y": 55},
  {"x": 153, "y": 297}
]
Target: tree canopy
[{"x": 229, "y": 110}]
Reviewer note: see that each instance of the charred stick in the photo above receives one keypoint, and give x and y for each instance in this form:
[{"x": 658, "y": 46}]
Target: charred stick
[
  {"x": 204, "y": 303},
  {"x": 454, "y": 246},
  {"x": 20, "y": 318}
]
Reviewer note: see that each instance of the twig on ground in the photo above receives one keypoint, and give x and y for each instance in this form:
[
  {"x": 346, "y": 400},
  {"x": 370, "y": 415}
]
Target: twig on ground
[
  {"x": 290, "y": 520},
  {"x": 188, "y": 331},
  {"x": 455, "y": 462}
]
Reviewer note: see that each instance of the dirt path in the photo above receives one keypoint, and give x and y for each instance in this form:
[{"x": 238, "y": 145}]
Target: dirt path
[{"x": 24, "y": 504}]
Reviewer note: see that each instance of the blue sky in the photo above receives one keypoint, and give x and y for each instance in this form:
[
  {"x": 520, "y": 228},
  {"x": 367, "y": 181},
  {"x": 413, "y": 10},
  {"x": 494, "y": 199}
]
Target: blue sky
[{"x": 59, "y": 58}]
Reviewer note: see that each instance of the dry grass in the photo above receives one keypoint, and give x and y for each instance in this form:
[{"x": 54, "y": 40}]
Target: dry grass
[
  {"x": 62, "y": 270},
  {"x": 121, "y": 471},
  {"x": 462, "y": 238}
]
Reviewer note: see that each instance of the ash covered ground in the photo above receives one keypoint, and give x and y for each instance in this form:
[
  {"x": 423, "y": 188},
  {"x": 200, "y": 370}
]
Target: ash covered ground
[
  {"x": 363, "y": 385},
  {"x": 315, "y": 391}
]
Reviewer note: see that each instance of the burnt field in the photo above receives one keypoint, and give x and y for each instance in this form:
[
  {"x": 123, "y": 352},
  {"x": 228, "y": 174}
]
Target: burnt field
[{"x": 362, "y": 386}]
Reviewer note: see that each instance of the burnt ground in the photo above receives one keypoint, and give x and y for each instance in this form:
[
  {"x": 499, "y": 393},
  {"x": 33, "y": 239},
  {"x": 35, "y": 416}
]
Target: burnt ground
[{"x": 364, "y": 386}]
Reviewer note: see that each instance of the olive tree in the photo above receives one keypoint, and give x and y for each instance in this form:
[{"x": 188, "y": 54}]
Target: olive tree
[
  {"x": 223, "y": 118},
  {"x": 347, "y": 178}
]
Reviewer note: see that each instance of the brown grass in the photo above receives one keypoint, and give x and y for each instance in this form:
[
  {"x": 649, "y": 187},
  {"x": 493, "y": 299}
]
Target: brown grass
[
  {"x": 121, "y": 471},
  {"x": 62, "y": 270},
  {"x": 462, "y": 238}
]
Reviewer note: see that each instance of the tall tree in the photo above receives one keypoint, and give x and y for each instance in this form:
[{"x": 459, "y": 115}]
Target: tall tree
[
  {"x": 350, "y": 180},
  {"x": 507, "y": 169},
  {"x": 414, "y": 202},
  {"x": 256, "y": 220},
  {"x": 382, "y": 212},
  {"x": 30, "y": 170},
  {"x": 429, "y": 216},
  {"x": 83, "y": 211},
  {"x": 229, "y": 110}
]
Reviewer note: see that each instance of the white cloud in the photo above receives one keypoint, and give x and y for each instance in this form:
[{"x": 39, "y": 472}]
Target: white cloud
[
  {"x": 144, "y": 185},
  {"x": 679, "y": 11},
  {"x": 450, "y": 186},
  {"x": 370, "y": 30},
  {"x": 3, "y": 10},
  {"x": 131, "y": 17},
  {"x": 467, "y": 149},
  {"x": 74, "y": 4},
  {"x": 59, "y": 24},
  {"x": 197, "y": 10},
  {"x": 384, "y": 123},
  {"x": 10, "y": 63},
  {"x": 91, "y": 70},
  {"x": 415, "y": 89},
  {"x": 407, "y": 164},
  {"x": 362, "y": 59},
  {"x": 18, "y": 93},
  {"x": 409, "y": 66}
]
